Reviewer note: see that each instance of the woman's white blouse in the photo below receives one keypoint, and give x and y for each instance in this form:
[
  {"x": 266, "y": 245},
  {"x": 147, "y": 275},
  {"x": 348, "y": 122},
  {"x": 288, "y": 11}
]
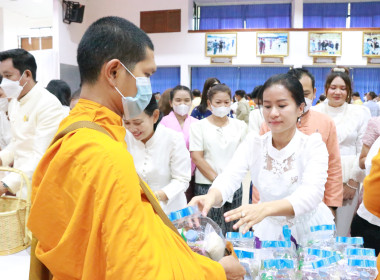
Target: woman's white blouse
[
  {"x": 298, "y": 172},
  {"x": 163, "y": 162},
  {"x": 351, "y": 122},
  {"x": 217, "y": 143}
]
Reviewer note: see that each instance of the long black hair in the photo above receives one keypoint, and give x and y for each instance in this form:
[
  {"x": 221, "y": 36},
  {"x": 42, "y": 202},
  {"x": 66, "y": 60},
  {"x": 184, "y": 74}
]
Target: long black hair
[{"x": 202, "y": 108}]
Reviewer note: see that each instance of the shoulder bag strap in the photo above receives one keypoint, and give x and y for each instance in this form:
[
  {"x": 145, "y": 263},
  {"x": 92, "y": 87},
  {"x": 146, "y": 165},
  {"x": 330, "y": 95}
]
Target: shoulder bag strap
[{"x": 148, "y": 193}]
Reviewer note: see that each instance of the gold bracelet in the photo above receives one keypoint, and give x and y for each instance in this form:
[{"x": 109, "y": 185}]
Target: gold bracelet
[{"x": 351, "y": 187}]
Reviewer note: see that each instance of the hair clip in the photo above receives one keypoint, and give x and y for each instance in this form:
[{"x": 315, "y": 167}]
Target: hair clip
[{"x": 339, "y": 70}]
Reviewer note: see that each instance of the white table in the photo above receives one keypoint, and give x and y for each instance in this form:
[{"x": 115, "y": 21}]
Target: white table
[{"x": 15, "y": 266}]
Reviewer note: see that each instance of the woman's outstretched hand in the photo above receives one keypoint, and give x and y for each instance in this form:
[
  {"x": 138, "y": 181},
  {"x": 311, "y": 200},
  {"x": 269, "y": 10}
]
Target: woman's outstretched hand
[{"x": 249, "y": 215}]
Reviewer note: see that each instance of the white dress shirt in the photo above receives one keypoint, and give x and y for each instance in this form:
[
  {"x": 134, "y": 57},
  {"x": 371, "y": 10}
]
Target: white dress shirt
[
  {"x": 5, "y": 130},
  {"x": 297, "y": 173},
  {"x": 163, "y": 162},
  {"x": 217, "y": 143},
  {"x": 256, "y": 119},
  {"x": 34, "y": 121}
]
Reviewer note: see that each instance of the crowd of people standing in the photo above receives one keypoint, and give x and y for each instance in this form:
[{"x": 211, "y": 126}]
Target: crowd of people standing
[{"x": 307, "y": 163}]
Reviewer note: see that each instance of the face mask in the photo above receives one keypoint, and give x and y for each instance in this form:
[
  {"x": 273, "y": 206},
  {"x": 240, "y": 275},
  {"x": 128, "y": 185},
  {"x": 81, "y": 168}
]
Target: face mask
[
  {"x": 12, "y": 89},
  {"x": 309, "y": 103},
  {"x": 182, "y": 109},
  {"x": 220, "y": 111},
  {"x": 134, "y": 106},
  {"x": 3, "y": 104}
]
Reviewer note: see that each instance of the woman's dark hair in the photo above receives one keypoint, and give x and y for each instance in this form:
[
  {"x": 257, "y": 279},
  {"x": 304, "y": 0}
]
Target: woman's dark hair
[
  {"x": 343, "y": 73},
  {"x": 372, "y": 94},
  {"x": 322, "y": 97},
  {"x": 61, "y": 90},
  {"x": 163, "y": 103},
  {"x": 290, "y": 82},
  {"x": 177, "y": 88},
  {"x": 218, "y": 88},
  {"x": 256, "y": 91},
  {"x": 202, "y": 108},
  {"x": 149, "y": 110},
  {"x": 240, "y": 93}
]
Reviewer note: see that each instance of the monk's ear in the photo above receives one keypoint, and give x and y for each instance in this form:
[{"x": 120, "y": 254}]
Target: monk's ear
[{"x": 111, "y": 71}]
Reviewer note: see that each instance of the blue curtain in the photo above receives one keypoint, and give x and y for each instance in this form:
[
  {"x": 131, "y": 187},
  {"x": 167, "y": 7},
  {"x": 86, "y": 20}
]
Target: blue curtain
[
  {"x": 250, "y": 77},
  {"x": 365, "y": 80},
  {"x": 365, "y": 14},
  {"x": 245, "y": 78},
  {"x": 221, "y": 17},
  {"x": 268, "y": 16},
  {"x": 320, "y": 75},
  {"x": 164, "y": 78},
  {"x": 324, "y": 15},
  {"x": 256, "y": 16},
  {"x": 226, "y": 75}
]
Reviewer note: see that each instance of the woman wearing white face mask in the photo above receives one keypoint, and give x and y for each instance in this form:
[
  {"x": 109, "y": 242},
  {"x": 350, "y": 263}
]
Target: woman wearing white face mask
[
  {"x": 160, "y": 157},
  {"x": 180, "y": 120},
  {"x": 213, "y": 141}
]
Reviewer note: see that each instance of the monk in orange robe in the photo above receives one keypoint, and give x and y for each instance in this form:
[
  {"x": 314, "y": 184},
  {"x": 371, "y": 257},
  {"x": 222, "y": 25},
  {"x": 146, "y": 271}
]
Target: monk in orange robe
[{"x": 89, "y": 214}]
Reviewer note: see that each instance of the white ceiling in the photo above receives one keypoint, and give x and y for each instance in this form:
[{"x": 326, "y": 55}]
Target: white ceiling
[{"x": 30, "y": 8}]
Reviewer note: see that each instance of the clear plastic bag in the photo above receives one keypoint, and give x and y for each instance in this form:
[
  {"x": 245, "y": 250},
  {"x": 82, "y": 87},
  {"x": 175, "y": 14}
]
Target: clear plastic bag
[
  {"x": 361, "y": 269},
  {"x": 322, "y": 236},
  {"x": 249, "y": 263},
  {"x": 342, "y": 243},
  {"x": 272, "y": 269},
  {"x": 324, "y": 269},
  {"x": 239, "y": 240},
  {"x": 202, "y": 234}
]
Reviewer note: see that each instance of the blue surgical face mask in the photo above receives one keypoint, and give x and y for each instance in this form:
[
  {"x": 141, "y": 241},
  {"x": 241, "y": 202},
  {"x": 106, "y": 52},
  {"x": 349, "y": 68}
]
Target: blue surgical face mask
[{"x": 134, "y": 106}]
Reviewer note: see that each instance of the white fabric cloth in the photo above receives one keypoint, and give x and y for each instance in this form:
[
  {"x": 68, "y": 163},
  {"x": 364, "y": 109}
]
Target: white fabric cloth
[
  {"x": 163, "y": 162},
  {"x": 5, "y": 130},
  {"x": 298, "y": 173},
  {"x": 66, "y": 110},
  {"x": 373, "y": 108},
  {"x": 351, "y": 122},
  {"x": 217, "y": 143},
  {"x": 256, "y": 119},
  {"x": 34, "y": 121}
]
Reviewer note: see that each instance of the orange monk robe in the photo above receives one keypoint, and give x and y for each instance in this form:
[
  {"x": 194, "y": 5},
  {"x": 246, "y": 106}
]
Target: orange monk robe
[
  {"x": 313, "y": 122},
  {"x": 91, "y": 217},
  {"x": 371, "y": 194}
]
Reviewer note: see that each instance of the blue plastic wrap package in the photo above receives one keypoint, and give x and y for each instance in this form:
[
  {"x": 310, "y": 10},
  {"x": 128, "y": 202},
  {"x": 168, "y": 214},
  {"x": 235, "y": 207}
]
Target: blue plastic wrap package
[
  {"x": 342, "y": 243},
  {"x": 361, "y": 269},
  {"x": 322, "y": 237},
  {"x": 272, "y": 269},
  {"x": 202, "y": 234},
  {"x": 360, "y": 253},
  {"x": 277, "y": 250},
  {"x": 329, "y": 268},
  {"x": 239, "y": 240},
  {"x": 249, "y": 263}
]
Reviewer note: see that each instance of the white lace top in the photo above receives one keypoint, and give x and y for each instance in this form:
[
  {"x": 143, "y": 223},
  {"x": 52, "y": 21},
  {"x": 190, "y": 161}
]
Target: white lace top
[
  {"x": 298, "y": 173},
  {"x": 351, "y": 123}
]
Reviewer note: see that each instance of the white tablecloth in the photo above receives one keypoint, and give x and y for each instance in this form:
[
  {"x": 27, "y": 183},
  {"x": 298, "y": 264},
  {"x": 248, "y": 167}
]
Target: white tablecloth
[{"x": 16, "y": 266}]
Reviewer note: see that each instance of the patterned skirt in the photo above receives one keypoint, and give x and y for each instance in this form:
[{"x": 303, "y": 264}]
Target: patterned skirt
[{"x": 216, "y": 214}]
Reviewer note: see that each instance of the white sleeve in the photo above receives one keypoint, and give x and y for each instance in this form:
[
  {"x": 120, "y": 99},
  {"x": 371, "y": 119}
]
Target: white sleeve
[
  {"x": 310, "y": 193},
  {"x": 180, "y": 165},
  {"x": 230, "y": 179},
  {"x": 358, "y": 174},
  {"x": 196, "y": 137},
  {"x": 7, "y": 155},
  {"x": 47, "y": 125}
]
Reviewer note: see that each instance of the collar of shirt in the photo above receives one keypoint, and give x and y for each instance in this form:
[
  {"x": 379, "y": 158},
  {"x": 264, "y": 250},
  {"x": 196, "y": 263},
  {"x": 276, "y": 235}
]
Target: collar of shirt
[{"x": 29, "y": 95}]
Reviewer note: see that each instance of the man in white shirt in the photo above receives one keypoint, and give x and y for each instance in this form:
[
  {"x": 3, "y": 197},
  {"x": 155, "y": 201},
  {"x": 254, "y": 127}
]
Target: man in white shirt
[
  {"x": 371, "y": 104},
  {"x": 34, "y": 114}
]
